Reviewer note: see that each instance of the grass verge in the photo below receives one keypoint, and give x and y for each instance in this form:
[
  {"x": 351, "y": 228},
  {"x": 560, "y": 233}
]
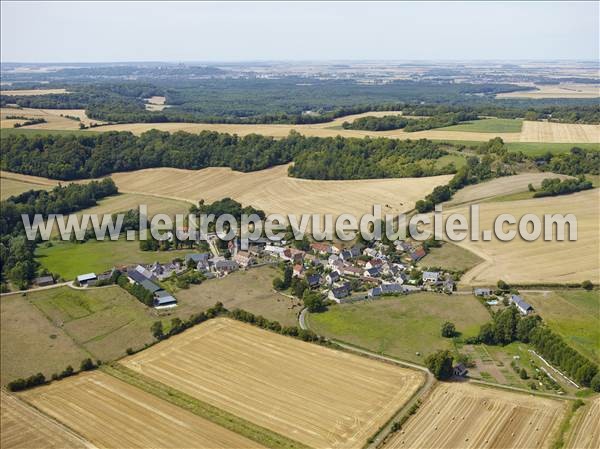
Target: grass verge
[{"x": 231, "y": 422}]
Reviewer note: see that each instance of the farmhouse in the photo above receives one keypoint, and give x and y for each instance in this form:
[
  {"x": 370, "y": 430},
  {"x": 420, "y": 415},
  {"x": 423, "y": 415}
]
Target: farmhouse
[
  {"x": 386, "y": 289},
  {"x": 523, "y": 307},
  {"x": 431, "y": 277},
  {"x": 313, "y": 280},
  {"x": 163, "y": 271},
  {"x": 482, "y": 292},
  {"x": 337, "y": 293},
  {"x": 332, "y": 277},
  {"x": 200, "y": 260},
  {"x": 244, "y": 259},
  {"x": 321, "y": 248},
  {"x": 87, "y": 279}
]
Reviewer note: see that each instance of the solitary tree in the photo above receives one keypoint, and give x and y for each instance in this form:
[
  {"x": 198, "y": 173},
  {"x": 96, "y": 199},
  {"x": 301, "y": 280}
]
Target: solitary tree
[
  {"x": 448, "y": 329},
  {"x": 157, "y": 330},
  {"x": 440, "y": 364}
]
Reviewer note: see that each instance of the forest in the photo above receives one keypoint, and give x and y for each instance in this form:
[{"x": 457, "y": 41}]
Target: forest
[
  {"x": 68, "y": 157},
  {"x": 389, "y": 122}
]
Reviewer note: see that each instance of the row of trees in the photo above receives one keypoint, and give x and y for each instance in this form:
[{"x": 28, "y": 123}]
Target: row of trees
[
  {"x": 556, "y": 186},
  {"x": 508, "y": 325},
  {"x": 35, "y": 380}
]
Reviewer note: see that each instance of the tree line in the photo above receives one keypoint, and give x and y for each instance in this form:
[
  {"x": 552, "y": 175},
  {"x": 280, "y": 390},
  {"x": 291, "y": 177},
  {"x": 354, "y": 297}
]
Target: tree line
[
  {"x": 556, "y": 186},
  {"x": 69, "y": 157}
]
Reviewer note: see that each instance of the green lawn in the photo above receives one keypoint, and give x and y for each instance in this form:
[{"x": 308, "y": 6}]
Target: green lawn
[
  {"x": 70, "y": 259},
  {"x": 105, "y": 321},
  {"x": 488, "y": 125},
  {"x": 401, "y": 326},
  {"x": 575, "y": 315},
  {"x": 450, "y": 257}
]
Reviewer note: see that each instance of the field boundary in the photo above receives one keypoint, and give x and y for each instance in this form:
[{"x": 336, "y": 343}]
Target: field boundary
[{"x": 214, "y": 414}]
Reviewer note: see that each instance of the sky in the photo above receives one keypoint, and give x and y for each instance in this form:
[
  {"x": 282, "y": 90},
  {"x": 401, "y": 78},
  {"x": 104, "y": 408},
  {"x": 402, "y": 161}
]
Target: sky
[{"x": 248, "y": 31}]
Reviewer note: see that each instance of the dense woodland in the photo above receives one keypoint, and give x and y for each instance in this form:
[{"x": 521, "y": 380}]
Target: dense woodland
[
  {"x": 17, "y": 262},
  {"x": 389, "y": 122},
  {"x": 69, "y": 157},
  {"x": 555, "y": 186}
]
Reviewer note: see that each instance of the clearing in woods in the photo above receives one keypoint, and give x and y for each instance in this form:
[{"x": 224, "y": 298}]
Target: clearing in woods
[
  {"x": 274, "y": 192},
  {"x": 312, "y": 394},
  {"x": 523, "y": 262},
  {"x": 462, "y": 416},
  {"x": 585, "y": 434},
  {"x": 23, "y": 427},
  {"x": 401, "y": 326},
  {"x": 110, "y": 413}
]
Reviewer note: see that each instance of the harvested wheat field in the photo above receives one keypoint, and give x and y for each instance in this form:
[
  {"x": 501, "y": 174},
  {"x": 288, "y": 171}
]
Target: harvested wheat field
[
  {"x": 155, "y": 103},
  {"x": 562, "y": 90},
  {"x": 32, "y": 92},
  {"x": 559, "y": 132},
  {"x": 113, "y": 414},
  {"x": 36, "y": 182},
  {"x": 56, "y": 119},
  {"x": 539, "y": 261},
  {"x": 586, "y": 431},
  {"x": 11, "y": 187},
  {"x": 273, "y": 191},
  {"x": 505, "y": 185},
  {"x": 23, "y": 427},
  {"x": 315, "y": 395},
  {"x": 461, "y": 416}
]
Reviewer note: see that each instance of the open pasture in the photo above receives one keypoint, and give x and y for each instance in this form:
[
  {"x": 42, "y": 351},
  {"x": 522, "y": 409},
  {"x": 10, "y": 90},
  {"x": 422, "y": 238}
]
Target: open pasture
[
  {"x": 105, "y": 321},
  {"x": 31, "y": 343},
  {"x": 585, "y": 434},
  {"x": 523, "y": 262},
  {"x": 250, "y": 290},
  {"x": 312, "y": 394},
  {"x": 462, "y": 416},
  {"x": 273, "y": 191},
  {"x": 23, "y": 427},
  {"x": 573, "y": 314},
  {"x": 401, "y": 326},
  {"x": 112, "y": 414}
]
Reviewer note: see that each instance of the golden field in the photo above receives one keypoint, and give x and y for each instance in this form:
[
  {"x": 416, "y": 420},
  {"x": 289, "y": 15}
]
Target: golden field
[
  {"x": 155, "y": 103},
  {"x": 312, "y": 394},
  {"x": 462, "y": 416},
  {"x": 32, "y": 92},
  {"x": 112, "y": 414},
  {"x": 55, "y": 118},
  {"x": 562, "y": 90},
  {"x": 559, "y": 132},
  {"x": 11, "y": 187},
  {"x": 273, "y": 191},
  {"x": 520, "y": 261},
  {"x": 23, "y": 427},
  {"x": 585, "y": 434}
]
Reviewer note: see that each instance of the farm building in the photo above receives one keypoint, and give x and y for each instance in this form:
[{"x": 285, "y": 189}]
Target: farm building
[
  {"x": 163, "y": 300},
  {"x": 459, "y": 370},
  {"x": 200, "y": 260},
  {"x": 524, "y": 307},
  {"x": 386, "y": 289},
  {"x": 482, "y": 292},
  {"x": 43, "y": 281},
  {"x": 87, "y": 279}
]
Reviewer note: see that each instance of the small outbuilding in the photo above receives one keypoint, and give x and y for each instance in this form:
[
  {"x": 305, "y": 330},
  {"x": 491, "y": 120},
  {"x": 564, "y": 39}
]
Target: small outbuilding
[{"x": 87, "y": 279}]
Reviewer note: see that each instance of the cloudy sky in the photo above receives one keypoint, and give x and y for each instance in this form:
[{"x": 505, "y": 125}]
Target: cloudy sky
[{"x": 186, "y": 31}]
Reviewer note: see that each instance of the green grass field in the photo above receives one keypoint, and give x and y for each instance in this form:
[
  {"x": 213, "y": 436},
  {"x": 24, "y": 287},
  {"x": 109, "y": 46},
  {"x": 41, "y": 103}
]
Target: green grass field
[
  {"x": 450, "y": 257},
  {"x": 105, "y": 321},
  {"x": 488, "y": 125},
  {"x": 575, "y": 315},
  {"x": 30, "y": 343},
  {"x": 70, "y": 259},
  {"x": 250, "y": 290},
  {"x": 457, "y": 159},
  {"x": 401, "y": 326}
]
